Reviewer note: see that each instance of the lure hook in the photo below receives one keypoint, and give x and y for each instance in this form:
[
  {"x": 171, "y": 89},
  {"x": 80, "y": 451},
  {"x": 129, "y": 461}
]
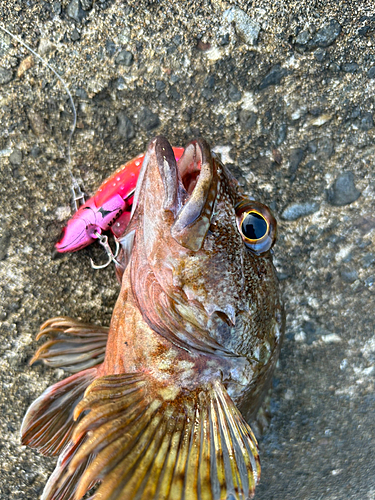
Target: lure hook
[{"x": 103, "y": 240}]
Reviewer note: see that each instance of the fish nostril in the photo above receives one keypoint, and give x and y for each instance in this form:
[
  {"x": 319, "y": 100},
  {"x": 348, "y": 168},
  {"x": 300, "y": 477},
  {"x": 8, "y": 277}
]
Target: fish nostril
[{"x": 224, "y": 317}]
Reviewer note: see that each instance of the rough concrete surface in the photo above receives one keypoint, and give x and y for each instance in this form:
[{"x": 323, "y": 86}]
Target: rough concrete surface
[{"x": 285, "y": 91}]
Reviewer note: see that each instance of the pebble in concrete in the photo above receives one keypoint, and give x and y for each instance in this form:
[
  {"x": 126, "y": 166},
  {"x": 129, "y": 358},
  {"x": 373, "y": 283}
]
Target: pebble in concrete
[
  {"x": 6, "y": 75},
  {"x": 248, "y": 29},
  {"x": 343, "y": 190},
  {"x": 297, "y": 210}
]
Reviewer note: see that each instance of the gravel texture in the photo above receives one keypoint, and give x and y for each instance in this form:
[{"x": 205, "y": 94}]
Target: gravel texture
[{"x": 285, "y": 91}]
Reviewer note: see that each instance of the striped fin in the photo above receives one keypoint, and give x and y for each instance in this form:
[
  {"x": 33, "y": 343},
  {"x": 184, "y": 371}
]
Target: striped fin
[
  {"x": 56, "y": 489},
  {"x": 74, "y": 346},
  {"x": 48, "y": 424},
  {"x": 142, "y": 441}
]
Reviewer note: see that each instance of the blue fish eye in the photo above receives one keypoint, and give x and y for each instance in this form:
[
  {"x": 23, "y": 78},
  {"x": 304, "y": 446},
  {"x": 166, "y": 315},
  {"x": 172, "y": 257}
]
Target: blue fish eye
[{"x": 254, "y": 226}]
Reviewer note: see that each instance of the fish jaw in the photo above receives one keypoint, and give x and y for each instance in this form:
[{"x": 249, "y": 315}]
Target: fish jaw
[
  {"x": 181, "y": 195},
  {"x": 198, "y": 172}
]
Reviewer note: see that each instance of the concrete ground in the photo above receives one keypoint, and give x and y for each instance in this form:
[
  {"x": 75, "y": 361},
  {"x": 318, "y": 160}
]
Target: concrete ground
[{"x": 285, "y": 91}]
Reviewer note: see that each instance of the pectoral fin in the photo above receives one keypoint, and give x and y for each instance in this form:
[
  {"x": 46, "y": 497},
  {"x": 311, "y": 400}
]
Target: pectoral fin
[
  {"x": 145, "y": 441},
  {"x": 64, "y": 489},
  {"x": 48, "y": 423},
  {"x": 74, "y": 345}
]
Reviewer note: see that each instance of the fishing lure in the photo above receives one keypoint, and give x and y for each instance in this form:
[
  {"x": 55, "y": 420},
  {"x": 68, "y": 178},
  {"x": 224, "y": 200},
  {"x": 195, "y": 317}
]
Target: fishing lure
[{"x": 108, "y": 209}]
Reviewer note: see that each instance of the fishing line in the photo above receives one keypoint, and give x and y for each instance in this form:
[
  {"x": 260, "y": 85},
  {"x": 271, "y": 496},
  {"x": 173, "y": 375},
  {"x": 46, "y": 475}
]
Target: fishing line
[{"x": 78, "y": 195}]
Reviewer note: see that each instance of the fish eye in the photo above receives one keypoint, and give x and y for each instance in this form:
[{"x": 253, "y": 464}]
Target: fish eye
[
  {"x": 254, "y": 226},
  {"x": 257, "y": 226}
]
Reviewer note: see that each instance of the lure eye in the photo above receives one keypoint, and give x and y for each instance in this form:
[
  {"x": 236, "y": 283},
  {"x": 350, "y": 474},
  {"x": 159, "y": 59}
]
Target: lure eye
[{"x": 257, "y": 226}]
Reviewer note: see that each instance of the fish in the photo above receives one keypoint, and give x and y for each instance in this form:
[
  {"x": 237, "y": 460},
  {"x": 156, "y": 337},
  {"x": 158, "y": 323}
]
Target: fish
[{"x": 158, "y": 405}]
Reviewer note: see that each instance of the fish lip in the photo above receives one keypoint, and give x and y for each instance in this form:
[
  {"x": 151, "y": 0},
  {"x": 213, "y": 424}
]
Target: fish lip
[
  {"x": 194, "y": 216},
  {"x": 169, "y": 173},
  {"x": 196, "y": 151},
  {"x": 176, "y": 194}
]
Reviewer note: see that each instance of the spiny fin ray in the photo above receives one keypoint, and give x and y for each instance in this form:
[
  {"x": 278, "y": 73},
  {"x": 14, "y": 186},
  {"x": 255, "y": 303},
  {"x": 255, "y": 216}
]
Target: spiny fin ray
[{"x": 139, "y": 445}]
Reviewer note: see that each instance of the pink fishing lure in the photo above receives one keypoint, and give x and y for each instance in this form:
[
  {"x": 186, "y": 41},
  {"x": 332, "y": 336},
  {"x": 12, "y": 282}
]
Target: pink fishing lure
[{"x": 108, "y": 209}]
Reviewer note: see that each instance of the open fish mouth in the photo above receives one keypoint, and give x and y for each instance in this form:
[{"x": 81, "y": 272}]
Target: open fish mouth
[{"x": 190, "y": 189}]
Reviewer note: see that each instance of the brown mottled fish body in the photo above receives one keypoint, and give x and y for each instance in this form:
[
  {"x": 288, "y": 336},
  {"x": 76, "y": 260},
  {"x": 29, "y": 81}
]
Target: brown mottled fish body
[{"x": 196, "y": 330}]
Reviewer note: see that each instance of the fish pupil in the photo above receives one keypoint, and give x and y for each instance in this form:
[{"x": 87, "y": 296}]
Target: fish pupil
[{"x": 254, "y": 226}]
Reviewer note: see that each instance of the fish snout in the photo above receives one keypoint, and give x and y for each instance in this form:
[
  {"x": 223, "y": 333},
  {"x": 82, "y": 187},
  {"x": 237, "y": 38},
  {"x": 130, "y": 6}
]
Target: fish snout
[{"x": 187, "y": 189}]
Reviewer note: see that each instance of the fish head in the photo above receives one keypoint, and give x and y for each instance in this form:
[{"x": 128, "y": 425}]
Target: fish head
[{"x": 201, "y": 259}]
